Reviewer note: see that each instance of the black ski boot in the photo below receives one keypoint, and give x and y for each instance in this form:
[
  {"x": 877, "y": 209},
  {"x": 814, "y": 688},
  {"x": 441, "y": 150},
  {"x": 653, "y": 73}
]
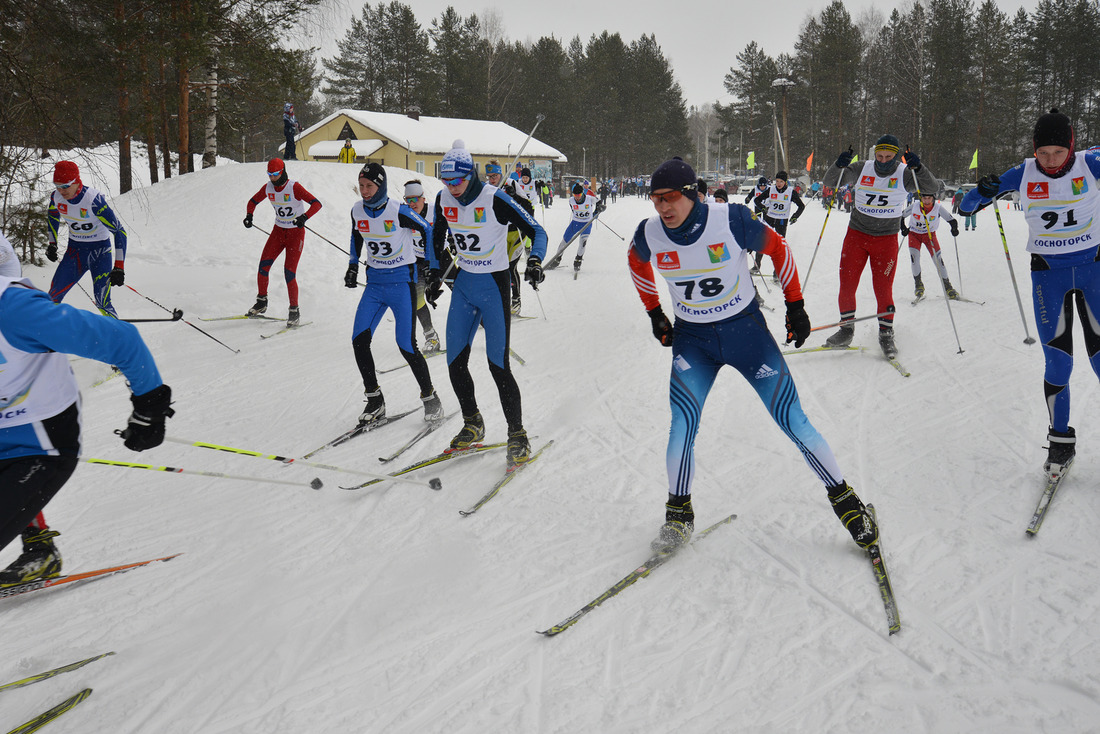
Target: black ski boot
[
  {"x": 849, "y": 508},
  {"x": 842, "y": 338},
  {"x": 678, "y": 527},
  {"x": 886, "y": 342},
  {"x": 918, "y": 287},
  {"x": 433, "y": 408},
  {"x": 473, "y": 430},
  {"x": 260, "y": 308},
  {"x": 519, "y": 448},
  {"x": 1061, "y": 451},
  {"x": 293, "y": 317},
  {"x": 40, "y": 559},
  {"x": 375, "y": 409}
]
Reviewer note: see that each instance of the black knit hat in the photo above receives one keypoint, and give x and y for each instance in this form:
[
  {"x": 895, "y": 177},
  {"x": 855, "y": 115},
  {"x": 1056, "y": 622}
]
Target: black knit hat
[
  {"x": 1053, "y": 128},
  {"x": 782, "y": 175},
  {"x": 525, "y": 172},
  {"x": 673, "y": 174},
  {"x": 701, "y": 185},
  {"x": 374, "y": 173},
  {"x": 888, "y": 142}
]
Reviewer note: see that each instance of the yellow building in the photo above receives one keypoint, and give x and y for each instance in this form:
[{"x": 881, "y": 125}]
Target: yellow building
[{"x": 418, "y": 143}]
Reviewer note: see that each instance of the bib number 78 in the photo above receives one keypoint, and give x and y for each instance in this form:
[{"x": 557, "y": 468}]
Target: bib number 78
[{"x": 705, "y": 288}]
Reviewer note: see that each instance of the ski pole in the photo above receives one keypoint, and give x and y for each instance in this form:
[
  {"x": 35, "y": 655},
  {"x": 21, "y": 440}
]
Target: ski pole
[
  {"x": 828, "y": 211},
  {"x": 928, "y": 229},
  {"x": 851, "y": 321},
  {"x": 1028, "y": 338},
  {"x": 150, "y": 300},
  {"x": 326, "y": 239},
  {"x": 609, "y": 229},
  {"x": 315, "y": 484},
  {"x": 431, "y": 483},
  {"x": 177, "y": 314},
  {"x": 957, "y": 263}
]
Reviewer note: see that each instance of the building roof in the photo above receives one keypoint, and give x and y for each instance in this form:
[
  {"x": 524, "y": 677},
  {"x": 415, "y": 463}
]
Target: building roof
[
  {"x": 331, "y": 148},
  {"x": 437, "y": 134}
]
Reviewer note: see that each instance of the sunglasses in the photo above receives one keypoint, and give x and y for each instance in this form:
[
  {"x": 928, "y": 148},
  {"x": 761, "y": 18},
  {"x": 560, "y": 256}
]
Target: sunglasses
[
  {"x": 64, "y": 186},
  {"x": 672, "y": 196},
  {"x": 412, "y": 199},
  {"x": 276, "y": 174},
  {"x": 453, "y": 181}
]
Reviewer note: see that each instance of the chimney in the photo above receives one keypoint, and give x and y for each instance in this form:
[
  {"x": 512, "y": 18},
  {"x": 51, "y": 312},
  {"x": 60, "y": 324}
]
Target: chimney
[{"x": 413, "y": 113}]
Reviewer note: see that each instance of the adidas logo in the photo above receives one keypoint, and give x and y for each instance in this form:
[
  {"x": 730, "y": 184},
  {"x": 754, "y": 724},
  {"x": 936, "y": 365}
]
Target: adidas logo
[{"x": 765, "y": 372}]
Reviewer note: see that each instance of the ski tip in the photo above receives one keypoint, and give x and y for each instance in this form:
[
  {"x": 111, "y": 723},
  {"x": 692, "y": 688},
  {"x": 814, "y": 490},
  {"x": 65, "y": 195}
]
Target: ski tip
[{"x": 316, "y": 483}]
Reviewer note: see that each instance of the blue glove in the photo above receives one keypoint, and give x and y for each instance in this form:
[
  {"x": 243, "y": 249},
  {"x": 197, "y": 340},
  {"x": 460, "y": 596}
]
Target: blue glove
[
  {"x": 989, "y": 186},
  {"x": 911, "y": 159}
]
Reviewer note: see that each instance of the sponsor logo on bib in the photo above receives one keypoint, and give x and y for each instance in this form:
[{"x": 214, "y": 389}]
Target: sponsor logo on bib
[
  {"x": 867, "y": 181},
  {"x": 718, "y": 253},
  {"x": 450, "y": 213},
  {"x": 668, "y": 261},
  {"x": 1037, "y": 190},
  {"x": 1079, "y": 186},
  {"x": 479, "y": 214},
  {"x": 388, "y": 225}
]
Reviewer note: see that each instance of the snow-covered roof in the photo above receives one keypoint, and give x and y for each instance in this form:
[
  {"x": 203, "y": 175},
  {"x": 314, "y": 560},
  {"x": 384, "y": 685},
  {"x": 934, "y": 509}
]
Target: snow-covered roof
[
  {"x": 437, "y": 134},
  {"x": 331, "y": 148}
]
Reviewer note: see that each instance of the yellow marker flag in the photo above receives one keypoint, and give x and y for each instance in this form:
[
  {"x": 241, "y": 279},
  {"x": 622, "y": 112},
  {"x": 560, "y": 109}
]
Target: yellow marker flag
[
  {"x": 750, "y": 162},
  {"x": 974, "y": 160},
  {"x": 855, "y": 159}
]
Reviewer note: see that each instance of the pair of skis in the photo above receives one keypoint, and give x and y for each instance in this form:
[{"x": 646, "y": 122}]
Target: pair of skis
[
  {"x": 825, "y": 348},
  {"x": 878, "y": 566},
  {"x": 65, "y": 706},
  {"x": 245, "y": 317}
]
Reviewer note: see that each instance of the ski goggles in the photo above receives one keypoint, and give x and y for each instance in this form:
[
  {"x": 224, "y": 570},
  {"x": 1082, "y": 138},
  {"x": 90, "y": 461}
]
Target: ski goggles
[
  {"x": 61, "y": 186},
  {"x": 674, "y": 195},
  {"x": 412, "y": 199},
  {"x": 453, "y": 181}
]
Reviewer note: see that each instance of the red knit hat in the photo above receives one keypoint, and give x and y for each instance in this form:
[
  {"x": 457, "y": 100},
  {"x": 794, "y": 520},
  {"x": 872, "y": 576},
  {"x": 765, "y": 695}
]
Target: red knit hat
[
  {"x": 276, "y": 165},
  {"x": 66, "y": 172}
]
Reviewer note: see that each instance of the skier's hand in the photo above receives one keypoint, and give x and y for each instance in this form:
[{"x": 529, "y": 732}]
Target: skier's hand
[
  {"x": 534, "y": 274},
  {"x": 798, "y": 323},
  {"x": 904, "y": 230},
  {"x": 118, "y": 276},
  {"x": 351, "y": 278},
  {"x": 600, "y": 206},
  {"x": 989, "y": 186},
  {"x": 845, "y": 159},
  {"x": 300, "y": 221},
  {"x": 145, "y": 428},
  {"x": 433, "y": 287},
  {"x": 51, "y": 252},
  {"x": 793, "y": 219},
  {"x": 248, "y": 220},
  {"x": 954, "y": 228},
  {"x": 662, "y": 327},
  {"x": 911, "y": 159}
]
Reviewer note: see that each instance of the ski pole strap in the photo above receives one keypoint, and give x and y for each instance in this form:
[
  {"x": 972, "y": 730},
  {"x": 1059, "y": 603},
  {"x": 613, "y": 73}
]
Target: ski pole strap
[
  {"x": 314, "y": 484},
  {"x": 432, "y": 483}
]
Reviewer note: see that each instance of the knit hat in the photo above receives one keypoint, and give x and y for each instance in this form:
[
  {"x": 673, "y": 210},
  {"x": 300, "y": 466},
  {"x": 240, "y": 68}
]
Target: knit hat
[
  {"x": 577, "y": 188},
  {"x": 889, "y": 143},
  {"x": 457, "y": 162},
  {"x": 1053, "y": 128},
  {"x": 673, "y": 174},
  {"x": 375, "y": 174},
  {"x": 276, "y": 165},
  {"x": 525, "y": 172},
  {"x": 782, "y": 175},
  {"x": 66, "y": 172},
  {"x": 413, "y": 188},
  {"x": 701, "y": 185},
  {"x": 762, "y": 181}
]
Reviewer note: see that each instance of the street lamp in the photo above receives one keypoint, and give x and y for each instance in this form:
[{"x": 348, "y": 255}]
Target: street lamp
[{"x": 784, "y": 83}]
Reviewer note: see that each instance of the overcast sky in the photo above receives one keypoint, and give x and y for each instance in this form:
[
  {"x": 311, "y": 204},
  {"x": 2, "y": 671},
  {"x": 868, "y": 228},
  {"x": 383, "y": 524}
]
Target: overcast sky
[{"x": 701, "y": 40}]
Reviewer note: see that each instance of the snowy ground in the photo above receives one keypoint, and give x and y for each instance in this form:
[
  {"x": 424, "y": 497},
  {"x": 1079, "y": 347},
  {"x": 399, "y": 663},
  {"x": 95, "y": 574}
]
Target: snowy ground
[{"x": 295, "y": 610}]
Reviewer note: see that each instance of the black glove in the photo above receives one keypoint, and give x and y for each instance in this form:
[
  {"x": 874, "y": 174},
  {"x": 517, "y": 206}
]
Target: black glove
[
  {"x": 300, "y": 221},
  {"x": 904, "y": 230},
  {"x": 989, "y": 186},
  {"x": 248, "y": 220},
  {"x": 911, "y": 159},
  {"x": 534, "y": 274},
  {"x": 793, "y": 219},
  {"x": 600, "y": 206},
  {"x": 351, "y": 278},
  {"x": 51, "y": 252},
  {"x": 954, "y": 228},
  {"x": 145, "y": 428},
  {"x": 118, "y": 277},
  {"x": 433, "y": 286},
  {"x": 844, "y": 159},
  {"x": 798, "y": 323},
  {"x": 662, "y": 327}
]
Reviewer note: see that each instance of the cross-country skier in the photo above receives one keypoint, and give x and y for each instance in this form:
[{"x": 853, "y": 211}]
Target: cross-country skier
[
  {"x": 926, "y": 214},
  {"x": 478, "y": 215},
  {"x": 91, "y": 225},
  {"x": 776, "y": 201},
  {"x": 585, "y": 207},
  {"x": 382, "y": 232},
  {"x": 40, "y": 415},
  {"x": 699, "y": 250},
  {"x": 1058, "y": 188},
  {"x": 881, "y": 193},
  {"x": 418, "y": 202},
  {"x": 289, "y": 199}
]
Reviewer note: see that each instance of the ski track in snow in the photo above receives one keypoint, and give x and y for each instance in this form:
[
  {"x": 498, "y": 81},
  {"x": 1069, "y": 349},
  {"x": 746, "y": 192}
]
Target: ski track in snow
[{"x": 294, "y": 610}]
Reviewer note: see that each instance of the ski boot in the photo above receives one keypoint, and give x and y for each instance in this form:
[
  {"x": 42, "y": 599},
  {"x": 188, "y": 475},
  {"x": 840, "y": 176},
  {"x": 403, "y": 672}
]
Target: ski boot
[
  {"x": 842, "y": 338},
  {"x": 951, "y": 292},
  {"x": 677, "y": 530},
  {"x": 849, "y": 508},
  {"x": 577, "y": 263},
  {"x": 919, "y": 287},
  {"x": 886, "y": 342},
  {"x": 517, "y": 306},
  {"x": 40, "y": 559},
  {"x": 375, "y": 409},
  {"x": 519, "y": 448},
  {"x": 293, "y": 317},
  {"x": 260, "y": 308},
  {"x": 431, "y": 341},
  {"x": 1061, "y": 451},
  {"x": 473, "y": 430},
  {"x": 433, "y": 408}
]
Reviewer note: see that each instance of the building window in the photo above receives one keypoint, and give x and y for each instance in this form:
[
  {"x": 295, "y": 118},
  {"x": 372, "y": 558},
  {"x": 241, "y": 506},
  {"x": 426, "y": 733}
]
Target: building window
[
  {"x": 420, "y": 166},
  {"x": 437, "y": 165}
]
